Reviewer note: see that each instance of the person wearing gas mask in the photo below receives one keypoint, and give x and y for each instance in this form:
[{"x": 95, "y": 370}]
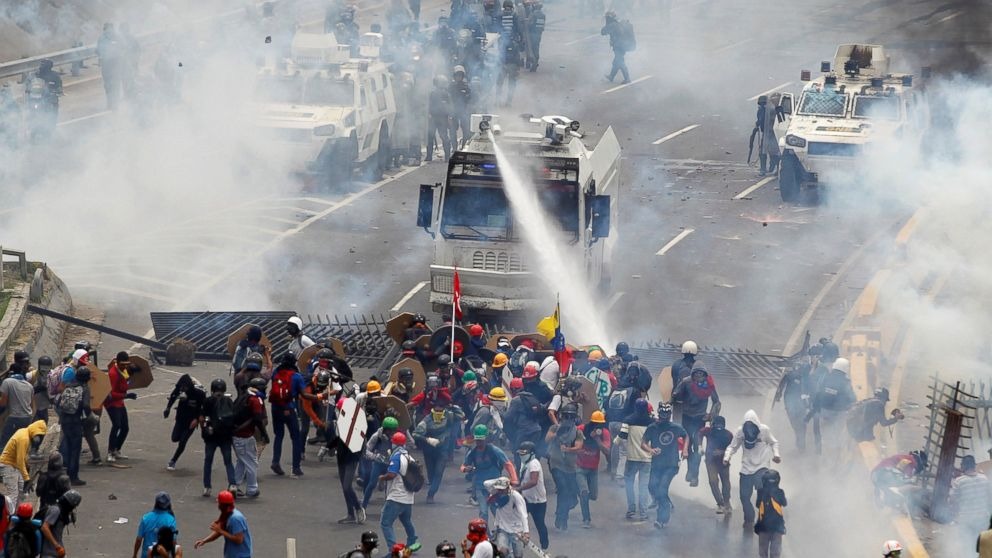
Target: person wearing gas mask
[
  {"x": 759, "y": 449},
  {"x": 434, "y": 393},
  {"x": 694, "y": 394},
  {"x": 666, "y": 442},
  {"x": 297, "y": 339},
  {"x": 567, "y": 393},
  {"x": 14, "y": 461},
  {"x": 16, "y": 396},
  {"x": 770, "y": 526},
  {"x": 791, "y": 390},
  {"x": 433, "y": 435},
  {"x": 533, "y": 489},
  {"x": 403, "y": 386},
  {"x": 564, "y": 441},
  {"x": 509, "y": 525},
  {"x": 830, "y": 404},
  {"x": 718, "y": 438}
]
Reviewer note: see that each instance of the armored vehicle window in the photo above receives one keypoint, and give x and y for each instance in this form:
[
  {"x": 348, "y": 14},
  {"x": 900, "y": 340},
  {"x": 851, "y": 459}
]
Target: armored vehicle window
[
  {"x": 827, "y": 103},
  {"x": 876, "y": 106},
  {"x": 276, "y": 89},
  {"x": 334, "y": 92}
]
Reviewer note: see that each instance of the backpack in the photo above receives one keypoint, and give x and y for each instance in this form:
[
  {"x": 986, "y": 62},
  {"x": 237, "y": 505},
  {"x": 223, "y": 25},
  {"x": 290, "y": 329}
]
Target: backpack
[
  {"x": 55, "y": 381},
  {"x": 617, "y": 403},
  {"x": 627, "y": 40},
  {"x": 222, "y": 416},
  {"x": 70, "y": 400},
  {"x": 282, "y": 388},
  {"x": 242, "y": 409},
  {"x": 21, "y": 544},
  {"x": 518, "y": 360},
  {"x": 413, "y": 480}
]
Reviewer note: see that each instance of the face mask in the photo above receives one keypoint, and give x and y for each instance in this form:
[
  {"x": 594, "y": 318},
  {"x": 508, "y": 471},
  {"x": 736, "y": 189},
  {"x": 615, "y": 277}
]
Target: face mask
[
  {"x": 501, "y": 500},
  {"x": 525, "y": 457},
  {"x": 751, "y": 432},
  {"x": 438, "y": 416},
  {"x": 36, "y": 441}
]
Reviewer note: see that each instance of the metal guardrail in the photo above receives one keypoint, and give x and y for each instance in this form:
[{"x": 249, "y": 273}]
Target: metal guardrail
[{"x": 735, "y": 370}]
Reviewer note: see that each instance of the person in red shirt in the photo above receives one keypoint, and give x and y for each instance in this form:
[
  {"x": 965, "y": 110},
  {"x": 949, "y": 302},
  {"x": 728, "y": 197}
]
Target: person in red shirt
[
  {"x": 250, "y": 420},
  {"x": 423, "y": 402},
  {"x": 114, "y": 404},
  {"x": 597, "y": 442}
]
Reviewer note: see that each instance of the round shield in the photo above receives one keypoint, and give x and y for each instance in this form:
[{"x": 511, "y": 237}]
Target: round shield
[
  {"x": 242, "y": 333},
  {"x": 397, "y": 325},
  {"x": 540, "y": 342},
  {"x": 308, "y": 354},
  {"x": 423, "y": 342},
  {"x": 440, "y": 339},
  {"x": 140, "y": 373},
  {"x": 419, "y": 376},
  {"x": 351, "y": 424},
  {"x": 396, "y": 408}
]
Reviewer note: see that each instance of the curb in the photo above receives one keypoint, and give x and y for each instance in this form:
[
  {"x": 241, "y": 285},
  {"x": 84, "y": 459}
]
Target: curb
[
  {"x": 49, "y": 335},
  {"x": 12, "y": 319}
]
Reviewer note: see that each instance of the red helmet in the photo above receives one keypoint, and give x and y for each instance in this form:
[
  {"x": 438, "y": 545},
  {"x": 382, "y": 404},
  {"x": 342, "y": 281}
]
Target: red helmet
[
  {"x": 516, "y": 383},
  {"x": 529, "y": 343},
  {"x": 25, "y": 510},
  {"x": 225, "y": 497},
  {"x": 398, "y": 439},
  {"x": 475, "y": 330},
  {"x": 478, "y": 525},
  {"x": 458, "y": 348},
  {"x": 531, "y": 370}
]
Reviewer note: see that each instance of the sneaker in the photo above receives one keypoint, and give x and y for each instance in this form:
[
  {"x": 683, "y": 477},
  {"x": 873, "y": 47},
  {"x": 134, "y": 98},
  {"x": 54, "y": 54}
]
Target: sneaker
[
  {"x": 171, "y": 466},
  {"x": 415, "y": 546},
  {"x": 96, "y": 461},
  {"x": 120, "y": 455},
  {"x": 297, "y": 473},
  {"x": 350, "y": 520},
  {"x": 587, "y": 524},
  {"x": 659, "y": 525},
  {"x": 206, "y": 491},
  {"x": 239, "y": 493},
  {"x": 77, "y": 482},
  {"x": 625, "y": 82},
  {"x": 631, "y": 516},
  {"x": 472, "y": 501},
  {"x": 111, "y": 459},
  {"x": 234, "y": 489},
  {"x": 361, "y": 516},
  {"x": 430, "y": 498},
  {"x": 608, "y": 78},
  {"x": 642, "y": 517},
  {"x": 321, "y": 454},
  {"x": 719, "y": 509},
  {"x": 254, "y": 494},
  {"x": 277, "y": 469}
]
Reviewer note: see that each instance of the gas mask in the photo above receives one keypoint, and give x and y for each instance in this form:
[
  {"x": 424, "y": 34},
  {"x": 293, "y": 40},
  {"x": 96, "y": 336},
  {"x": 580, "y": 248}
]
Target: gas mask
[
  {"x": 36, "y": 442},
  {"x": 437, "y": 415},
  {"x": 751, "y": 432},
  {"x": 499, "y": 405}
]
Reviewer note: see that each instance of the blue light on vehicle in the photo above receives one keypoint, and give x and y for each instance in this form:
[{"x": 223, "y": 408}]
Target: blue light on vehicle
[{"x": 488, "y": 165}]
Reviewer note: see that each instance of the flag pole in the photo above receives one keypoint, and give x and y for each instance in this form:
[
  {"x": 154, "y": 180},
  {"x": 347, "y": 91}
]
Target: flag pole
[{"x": 454, "y": 306}]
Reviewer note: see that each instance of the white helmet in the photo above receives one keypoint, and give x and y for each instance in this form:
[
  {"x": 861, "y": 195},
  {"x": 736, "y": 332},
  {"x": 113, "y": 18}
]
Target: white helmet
[
  {"x": 690, "y": 348},
  {"x": 843, "y": 365},
  {"x": 295, "y": 320},
  {"x": 79, "y": 354},
  {"x": 891, "y": 546}
]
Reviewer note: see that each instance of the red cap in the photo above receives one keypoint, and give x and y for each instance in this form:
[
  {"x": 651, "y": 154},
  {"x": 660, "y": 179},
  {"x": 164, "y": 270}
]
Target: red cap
[
  {"x": 529, "y": 343},
  {"x": 458, "y": 348}
]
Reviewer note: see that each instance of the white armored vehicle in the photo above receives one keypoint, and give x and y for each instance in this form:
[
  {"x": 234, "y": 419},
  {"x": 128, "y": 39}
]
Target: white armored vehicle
[
  {"x": 476, "y": 230},
  {"x": 856, "y": 101},
  {"x": 330, "y": 111}
]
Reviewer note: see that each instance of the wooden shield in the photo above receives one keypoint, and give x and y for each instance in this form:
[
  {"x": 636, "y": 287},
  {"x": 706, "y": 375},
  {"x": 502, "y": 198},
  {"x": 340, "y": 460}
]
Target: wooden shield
[
  {"x": 310, "y": 352},
  {"x": 398, "y": 410},
  {"x": 397, "y": 325},
  {"x": 423, "y": 342},
  {"x": 140, "y": 373},
  {"x": 487, "y": 355},
  {"x": 351, "y": 424},
  {"x": 419, "y": 376},
  {"x": 242, "y": 333},
  {"x": 99, "y": 387},
  {"x": 586, "y": 398},
  {"x": 440, "y": 337},
  {"x": 665, "y": 383},
  {"x": 491, "y": 342},
  {"x": 540, "y": 342}
]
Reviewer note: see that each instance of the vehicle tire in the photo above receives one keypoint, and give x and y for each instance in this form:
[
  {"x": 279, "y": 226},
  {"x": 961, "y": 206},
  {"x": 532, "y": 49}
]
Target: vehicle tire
[{"x": 789, "y": 179}]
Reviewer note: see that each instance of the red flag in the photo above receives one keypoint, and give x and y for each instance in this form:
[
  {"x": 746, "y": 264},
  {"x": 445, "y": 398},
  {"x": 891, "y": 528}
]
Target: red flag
[{"x": 456, "y": 298}]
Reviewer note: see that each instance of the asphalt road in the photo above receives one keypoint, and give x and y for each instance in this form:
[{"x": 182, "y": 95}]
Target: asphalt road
[{"x": 744, "y": 276}]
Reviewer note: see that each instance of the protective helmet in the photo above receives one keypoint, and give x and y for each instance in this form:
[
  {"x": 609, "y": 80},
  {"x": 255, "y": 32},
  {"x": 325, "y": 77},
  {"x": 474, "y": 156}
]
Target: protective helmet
[
  {"x": 83, "y": 374},
  {"x": 475, "y": 330},
  {"x": 257, "y": 383},
  {"x": 295, "y": 321},
  {"x": 408, "y": 346},
  {"x": 444, "y": 360},
  {"x": 603, "y": 363},
  {"x": 598, "y": 417},
  {"x": 419, "y": 318},
  {"x": 288, "y": 360},
  {"x": 570, "y": 409},
  {"x": 72, "y": 498},
  {"x": 254, "y": 361},
  {"x": 762, "y": 99},
  {"x": 478, "y": 526},
  {"x": 45, "y": 65},
  {"x": 25, "y": 510},
  {"x": 370, "y": 538},
  {"x": 225, "y": 498},
  {"x": 507, "y": 3},
  {"x": 218, "y": 385},
  {"x": 390, "y": 423},
  {"x": 516, "y": 383},
  {"x": 843, "y": 365},
  {"x": 405, "y": 373},
  {"x": 45, "y": 361},
  {"x": 623, "y": 348},
  {"x": 595, "y": 355},
  {"x": 458, "y": 348},
  {"x": 469, "y": 377},
  {"x": 891, "y": 546},
  {"x": 446, "y": 550},
  {"x": 254, "y": 334},
  {"x": 882, "y": 393},
  {"x": 500, "y": 360},
  {"x": 497, "y": 394},
  {"x": 531, "y": 369},
  {"x": 398, "y": 439},
  {"x": 22, "y": 357},
  {"x": 526, "y": 447},
  {"x": 322, "y": 379},
  {"x": 611, "y": 15},
  {"x": 433, "y": 382},
  {"x": 480, "y": 432},
  {"x": 529, "y": 343},
  {"x": 828, "y": 349},
  {"x": 665, "y": 411},
  {"x": 771, "y": 477},
  {"x": 373, "y": 387},
  {"x": 325, "y": 354},
  {"x": 690, "y": 348}
]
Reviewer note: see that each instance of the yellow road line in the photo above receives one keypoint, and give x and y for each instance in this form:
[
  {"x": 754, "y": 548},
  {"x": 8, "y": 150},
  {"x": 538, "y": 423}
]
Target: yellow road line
[
  {"x": 868, "y": 301},
  {"x": 907, "y": 230}
]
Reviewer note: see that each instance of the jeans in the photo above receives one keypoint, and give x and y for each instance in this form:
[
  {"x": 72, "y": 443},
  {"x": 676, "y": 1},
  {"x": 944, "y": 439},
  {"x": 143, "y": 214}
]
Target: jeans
[
  {"x": 480, "y": 494},
  {"x": 283, "y": 420},
  {"x": 13, "y": 485},
  {"x": 72, "y": 445},
  {"x": 11, "y": 425},
  {"x": 509, "y": 544},
  {"x": 181, "y": 434},
  {"x": 749, "y": 484},
  {"x": 618, "y": 451},
  {"x": 246, "y": 467},
  {"x": 390, "y": 513},
  {"x": 769, "y": 545},
  {"x": 209, "y": 448},
  {"x": 537, "y": 513},
  {"x": 619, "y": 65},
  {"x": 119, "y": 428},
  {"x": 435, "y": 461},
  {"x": 375, "y": 470},
  {"x": 719, "y": 477},
  {"x": 588, "y": 484},
  {"x": 661, "y": 480},
  {"x": 347, "y": 467},
  {"x": 567, "y": 492},
  {"x": 692, "y": 426},
  {"x": 640, "y": 470}
]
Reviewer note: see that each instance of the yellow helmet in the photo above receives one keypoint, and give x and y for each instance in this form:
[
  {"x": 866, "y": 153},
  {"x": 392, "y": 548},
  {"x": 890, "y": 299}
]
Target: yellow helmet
[
  {"x": 597, "y": 417},
  {"x": 498, "y": 394},
  {"x": 595, "y": 355},
  {"x": 500, "y": 360},
  {"x": 373, "y": 387}
]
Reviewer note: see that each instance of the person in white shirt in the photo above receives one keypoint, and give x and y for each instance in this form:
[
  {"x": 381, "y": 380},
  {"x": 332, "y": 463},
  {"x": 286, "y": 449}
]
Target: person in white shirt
[
  {"x": 758, "y": 450},
  {"x": 399, "y": 500},
  {"x": 476, "y": 543},
  {"x": 509, "y": 512},
  {"x": 297, "y": 339},
  {"x": 533, "y": 489}
]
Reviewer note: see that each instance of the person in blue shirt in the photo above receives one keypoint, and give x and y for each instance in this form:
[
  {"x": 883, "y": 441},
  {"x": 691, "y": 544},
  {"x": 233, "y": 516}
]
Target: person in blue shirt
[
  {"x": 160, "y": 516},
  {"x": 24, "y": 533},
  {"x": 487, "y": 462},
  {"x": 287, "y": 385},
  {"x": 232, "y": 526}
]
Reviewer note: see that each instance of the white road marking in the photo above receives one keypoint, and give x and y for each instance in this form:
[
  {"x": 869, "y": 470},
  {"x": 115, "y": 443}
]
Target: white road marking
[
  {"x": 406, "y": 298},
  {"x": 576, "y": 41},
  {"x": 290, "y": 548},
  {"x": 84, "y": 118},
  {"x": 621, "y": 86},
  {"x": 950, "y": 17},
  {"x": 614, "y": 299},
  {"x": 772, "y": 90},
  {"x": 731, "y": 45},
  {"x": 675, "y": 134},
  {"x": 671, "y": 243},
  {"x": 754, "y": 187}
]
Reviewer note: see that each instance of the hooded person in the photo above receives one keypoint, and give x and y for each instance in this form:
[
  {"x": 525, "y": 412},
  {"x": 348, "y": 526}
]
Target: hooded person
[
  {"x": 53, "y": 482},
  {"x": 188, "y": 396},
  {"x": 718, "y": 438},
  {"x": 252, "y": 343},
  {"x": 477, "y": 543},
  {"x": 770, "y": 526},
  {"x": 565, "y": 441},
  {"x": 161, "y": 515},
  {"x": 666, "y": 442},
  {"x": 694, "y": 394},
  {"x": 759, "y": 449},
  {"x": 14, "y": 461}
]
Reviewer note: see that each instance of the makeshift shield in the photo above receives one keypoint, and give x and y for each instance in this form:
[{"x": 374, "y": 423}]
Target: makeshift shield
[
  {"x": 423, "y": 342},
  {"x": 389, "y": 405},
  {"x": 242, "y": 333},
  {"x": 397, "y": 325},
  {"x": 139, "y": 373},
  {"x": 99, "y": 388},
  {"x": 487, "y": 355},
  {"x": 440, "y": 339},
  {"x": 38, "y": 461},
  {"x": 491, "y": 343},
  {"x": 665, "y": 384},
  {"x": 419, "y": 376},
  {"x": 351, "y": 424},
  {"x": 541, "y": 342},
  {"x": 586, "y": 397}
]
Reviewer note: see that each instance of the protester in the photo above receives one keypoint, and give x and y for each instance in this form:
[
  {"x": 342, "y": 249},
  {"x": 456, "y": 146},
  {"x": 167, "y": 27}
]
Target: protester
[
  {"x": 596, "y": 441},
  {"x": 533, "y": 489},
  {"x": 14, "y": 461},
  {"x": 249, "y": 418},
  {"x": 770, "y": 526},
  {"x": 509, "y": 513},
  {"x": 23, "y": 537},
  {"x": 52, "y": 483},
  {"x": 57, "y": 518},
  {"x": 759, "y": 449},
  {"x": 188, "y": 395},
  {"x": 17, "y": 397},
  {"x": 165, "y": 545},
  {"x": 718, "y": 438},
  {"x": 399, "y": 499},
  {"x": 232, "y": 526},
  {"x": 217, "y": 429},
  {"x": 114, "y": 405},
  {"x": 160, "y": 517}
]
